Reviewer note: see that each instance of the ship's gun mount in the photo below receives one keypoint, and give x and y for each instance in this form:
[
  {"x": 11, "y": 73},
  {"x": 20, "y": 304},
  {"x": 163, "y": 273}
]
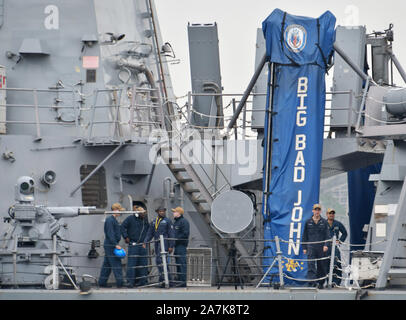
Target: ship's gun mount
[
  {"x": 35, "y": 239},
  {"x": 27, "y": 215}
]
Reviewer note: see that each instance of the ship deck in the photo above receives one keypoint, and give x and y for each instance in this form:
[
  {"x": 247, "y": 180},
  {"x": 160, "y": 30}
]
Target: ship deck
[{"x": 203, "y": 294}]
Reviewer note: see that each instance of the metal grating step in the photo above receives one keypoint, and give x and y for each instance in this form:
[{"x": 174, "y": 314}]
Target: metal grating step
[
  {"x": 191, "y": 190},
  {"x": 397, "y": 272},
  {"x": 198, "y": 200},
  {"x": 175, "y": 170},
  {"x": 204, "y": 211}
]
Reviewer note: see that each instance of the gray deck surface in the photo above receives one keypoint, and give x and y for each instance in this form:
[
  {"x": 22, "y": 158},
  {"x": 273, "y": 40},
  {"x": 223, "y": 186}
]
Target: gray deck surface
[{"x": 202, "y": 294}]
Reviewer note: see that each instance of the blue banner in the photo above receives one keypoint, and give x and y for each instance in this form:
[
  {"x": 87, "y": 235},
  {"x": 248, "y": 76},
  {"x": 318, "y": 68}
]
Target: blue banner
[{"x": 299, "y": 48}]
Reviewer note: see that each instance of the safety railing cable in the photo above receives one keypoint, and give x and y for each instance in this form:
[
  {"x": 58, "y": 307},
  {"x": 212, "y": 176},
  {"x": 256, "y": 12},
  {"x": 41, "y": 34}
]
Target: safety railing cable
[{"x": 167, "y": 271}]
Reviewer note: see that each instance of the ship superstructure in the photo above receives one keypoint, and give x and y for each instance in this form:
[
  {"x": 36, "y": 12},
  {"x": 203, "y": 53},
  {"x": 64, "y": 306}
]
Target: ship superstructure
[{"x": 88, "y": 118}]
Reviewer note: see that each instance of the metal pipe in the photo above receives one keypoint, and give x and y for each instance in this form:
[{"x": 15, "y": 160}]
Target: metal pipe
[
  {"x": 92, "y": 116},
  {"x": 398, "y": 66},
  {"x": 67, "y": 274},
  {"x": 268, "y": 160},
  {"x": 15, "y": 260},
  {"x": 55, "y": 282},
  {"x": 279, "y": 257},
  {"x": 247, "y": 92},
  {"x": 224, "y": 94},
  {"x": 349, "y": 114},
  {"x": 37, "y": 122},
  {"x": 351, "y": 63},
  {"x": 96, "y": 169},
  {"x": 166, "y": 192},
  {"x": 151, "y": 176},
  {"x": 266, "y": 273},
  {"x": 69, "y": 212},
  {"x": 72, "y": 124},
  {"x": 364, "y": 97},
  {"x": 333, "y": 252},
  {"x": 116, "y": 101},
  {"x": 188, "y": 106},
  {"x": 165, "y": 266},
  {"x": 235, "y": 127},
  {"x": 131, "y": 122},
  {"x": 157, "y": 49},
  {"x": 251, "y": 94},
  {"x": 244, "y": 124}
]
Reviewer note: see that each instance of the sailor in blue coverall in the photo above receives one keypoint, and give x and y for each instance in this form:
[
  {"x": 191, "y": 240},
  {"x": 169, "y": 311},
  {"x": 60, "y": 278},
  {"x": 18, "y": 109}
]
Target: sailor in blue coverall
[
  {"x": 335, "y": 228},
  {"x": 112, "y": 234},
  {"x": 134, "y": 229},
  {"x": 161, "y": 225},
  {"x": 182, "y": 231},
  {"x": 316, "y": 230}
]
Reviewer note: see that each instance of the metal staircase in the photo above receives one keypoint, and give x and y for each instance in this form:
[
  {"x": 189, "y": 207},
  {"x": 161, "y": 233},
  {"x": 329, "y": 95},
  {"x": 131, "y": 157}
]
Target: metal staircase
[
  {"x": 193, "y": 187},
  {"x": 198, "y": 192},
  {"x": 187, "y": 177}
]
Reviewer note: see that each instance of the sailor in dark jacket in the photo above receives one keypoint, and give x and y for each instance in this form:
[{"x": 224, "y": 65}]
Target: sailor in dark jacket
[
  {"x": 112, "y": 234},
  {"x": 336, "y": 228},
  {"x": 182, "y": 231},
  {"x": 161, "y": 225},
  {"x": 134, "y": 229},
  {"x": 316, "y": 230}
]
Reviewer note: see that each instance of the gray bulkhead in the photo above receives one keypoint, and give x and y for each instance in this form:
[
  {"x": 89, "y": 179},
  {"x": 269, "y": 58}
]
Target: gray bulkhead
[{"x": 56, "y": 104}]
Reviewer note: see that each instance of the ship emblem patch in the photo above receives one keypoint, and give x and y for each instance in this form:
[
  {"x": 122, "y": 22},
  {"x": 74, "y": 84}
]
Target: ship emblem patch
[
  {"x": 295, "y": 37},
  {"x": 292, "y": 265}
]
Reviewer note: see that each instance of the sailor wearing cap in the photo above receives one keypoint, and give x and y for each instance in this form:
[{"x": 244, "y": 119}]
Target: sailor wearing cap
[
  {"x": 182, "y": 231},
  {"x": 161, "y": 225},
  {"x": 336, "y": 228},
  {"x": 316, "y": 230},
  {"x": 112, "y": 234},
  {"x": 134, "y": 229}
]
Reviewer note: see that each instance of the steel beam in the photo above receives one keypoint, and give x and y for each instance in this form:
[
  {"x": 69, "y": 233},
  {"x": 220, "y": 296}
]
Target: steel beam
[
  {"x": 96, "y": 169},
  {"x": 351, "y": 63},
  {"x": 247, "y": 92}
]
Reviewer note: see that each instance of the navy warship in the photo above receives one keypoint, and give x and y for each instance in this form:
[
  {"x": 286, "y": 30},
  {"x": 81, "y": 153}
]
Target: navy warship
[{"x": 88, "y": 118}]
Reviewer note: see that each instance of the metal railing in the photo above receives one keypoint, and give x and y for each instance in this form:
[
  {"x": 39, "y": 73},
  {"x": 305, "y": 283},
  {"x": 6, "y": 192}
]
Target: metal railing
[
  {"x": 144, "y": 114},
  {"x": 277, "y": 268},
  {"x": 243, "y": 128},
  {"x": 85, "y": 116}
]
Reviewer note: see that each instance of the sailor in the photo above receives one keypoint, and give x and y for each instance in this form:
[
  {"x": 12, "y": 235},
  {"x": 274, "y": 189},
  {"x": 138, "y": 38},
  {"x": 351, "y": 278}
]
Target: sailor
[
  {"x": 134, "y": 229},
  {"x": 161, "y": 225},
  {"x": 182, "y": 231},
  {"x": 112, "y": 234},
  {"x": 336, "y": 228},
  {"x": 315, "y": 237}
]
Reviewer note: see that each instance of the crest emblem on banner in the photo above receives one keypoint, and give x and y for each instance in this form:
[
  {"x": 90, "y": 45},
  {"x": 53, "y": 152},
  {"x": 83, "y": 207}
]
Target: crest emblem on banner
[
  {"x": 292, "y": 265},
  {"x": 295, "y": 37}
]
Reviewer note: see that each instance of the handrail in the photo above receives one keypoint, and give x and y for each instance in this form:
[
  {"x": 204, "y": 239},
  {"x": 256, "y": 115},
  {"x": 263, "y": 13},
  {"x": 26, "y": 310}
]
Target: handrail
[
  {"x": 149, "y": 106},
  {"x": 179, "y": 134},
  {"x": 277, "y": 268}
]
